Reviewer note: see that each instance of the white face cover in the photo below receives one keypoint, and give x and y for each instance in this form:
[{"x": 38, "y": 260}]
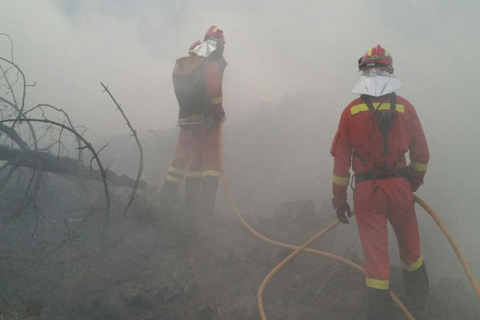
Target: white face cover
[
  {"x": 376, "y": 82},
  {"x": 206, "y": 48}
]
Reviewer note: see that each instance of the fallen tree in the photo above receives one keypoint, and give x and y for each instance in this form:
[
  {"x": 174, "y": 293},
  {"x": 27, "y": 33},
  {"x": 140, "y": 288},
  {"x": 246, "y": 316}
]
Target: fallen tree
[{"x": 61, "y": 165}]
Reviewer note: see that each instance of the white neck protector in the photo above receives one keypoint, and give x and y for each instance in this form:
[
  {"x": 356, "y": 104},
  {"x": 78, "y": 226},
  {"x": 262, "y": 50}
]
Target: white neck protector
[
  {"x": 376, "y": 82},
  {"x": 206, "y": 48}
]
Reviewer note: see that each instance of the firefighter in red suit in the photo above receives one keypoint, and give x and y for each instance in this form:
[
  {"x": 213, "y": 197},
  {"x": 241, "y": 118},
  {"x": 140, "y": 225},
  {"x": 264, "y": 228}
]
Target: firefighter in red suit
[
  {"x": 197, "y": 80},
  {"x": 375, "y": 133}
]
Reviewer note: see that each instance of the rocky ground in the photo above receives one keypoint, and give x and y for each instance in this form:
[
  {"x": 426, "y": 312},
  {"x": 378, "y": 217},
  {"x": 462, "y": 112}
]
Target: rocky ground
[{"x": 152, "y": 267}]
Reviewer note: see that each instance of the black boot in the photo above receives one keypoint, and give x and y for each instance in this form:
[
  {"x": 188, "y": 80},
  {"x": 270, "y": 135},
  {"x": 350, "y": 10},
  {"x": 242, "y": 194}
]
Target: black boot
[
  {"x": 417, "y": 289},
  {"x": 379, "y": 304},
  {"x": 207, "y": 196}
]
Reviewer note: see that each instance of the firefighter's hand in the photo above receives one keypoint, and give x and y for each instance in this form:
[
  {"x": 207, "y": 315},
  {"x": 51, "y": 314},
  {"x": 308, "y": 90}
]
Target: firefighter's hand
[{"x": 342, "y": 213}]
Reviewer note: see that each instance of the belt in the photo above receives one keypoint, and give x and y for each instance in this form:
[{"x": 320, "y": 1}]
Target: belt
[{"x": 370, "y": 175}]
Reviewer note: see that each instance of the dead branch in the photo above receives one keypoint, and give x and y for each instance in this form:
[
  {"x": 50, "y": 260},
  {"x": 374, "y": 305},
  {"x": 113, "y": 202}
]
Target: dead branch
[
  {"x": 41, "y": 105},
  {"x": 29, "y": 197},
  {"x": 7, "y": 178},
  {"x": 22, "y": 106},
  {"x": 15, "y": 106},
  {"x": 11, "y": 44},
  {"x": 134, "y": 133},
  {"x": 95, "y": 155},
  {"x": 12, "y": 134},
  {"x": 63, "y": 165}
]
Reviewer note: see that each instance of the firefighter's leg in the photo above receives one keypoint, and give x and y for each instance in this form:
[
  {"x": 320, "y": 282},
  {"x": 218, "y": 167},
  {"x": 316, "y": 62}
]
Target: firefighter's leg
[
  {"x": 211, "y": 172},
  {"x": 404, "y": 222},
  {"x": 370, "y": 211},
  {"x": 193, "y": 180},
  {"x": 177, "y": 169}
]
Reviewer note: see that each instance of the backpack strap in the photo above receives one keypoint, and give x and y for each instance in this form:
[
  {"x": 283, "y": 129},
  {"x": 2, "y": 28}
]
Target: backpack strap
[
  {"x": 393, "y": 101},
  {"x": 368, "y": 102},
  {"x": 371, "y": 108}
]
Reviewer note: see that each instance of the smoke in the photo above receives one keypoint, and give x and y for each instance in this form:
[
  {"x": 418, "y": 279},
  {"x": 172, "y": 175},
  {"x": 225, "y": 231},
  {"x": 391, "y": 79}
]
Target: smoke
[{"x": 291, "y": 70}]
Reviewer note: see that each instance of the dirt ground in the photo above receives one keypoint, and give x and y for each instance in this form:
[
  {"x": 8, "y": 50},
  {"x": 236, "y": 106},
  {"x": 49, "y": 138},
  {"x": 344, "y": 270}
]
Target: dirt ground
[{"x": 154, "y": 266}]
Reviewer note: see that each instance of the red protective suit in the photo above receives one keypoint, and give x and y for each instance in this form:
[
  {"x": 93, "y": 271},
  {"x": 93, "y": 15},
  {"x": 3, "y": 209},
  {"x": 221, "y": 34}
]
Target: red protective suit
[
  {"x": 197, "y": 146},
  {"x": 198, "y": 87},
  {"x": 360, "y": 143}
]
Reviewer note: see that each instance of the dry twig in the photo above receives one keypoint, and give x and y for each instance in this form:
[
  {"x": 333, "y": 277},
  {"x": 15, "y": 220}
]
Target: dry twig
[{"x": 134, "y": 134}]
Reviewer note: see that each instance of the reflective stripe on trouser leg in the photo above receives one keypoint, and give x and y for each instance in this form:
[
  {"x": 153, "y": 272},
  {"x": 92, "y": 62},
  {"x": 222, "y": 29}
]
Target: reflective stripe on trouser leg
[
  {"x": 414, "y": 266},
  {"x": 175, "y": 175}
]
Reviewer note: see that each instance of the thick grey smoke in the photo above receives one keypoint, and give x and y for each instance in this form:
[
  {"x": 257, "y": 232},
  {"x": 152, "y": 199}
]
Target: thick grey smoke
[{"x": 275, "y": 49}]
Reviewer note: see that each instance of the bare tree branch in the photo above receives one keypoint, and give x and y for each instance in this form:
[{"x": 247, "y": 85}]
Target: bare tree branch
[
  {"x": 92, "y": 150},
  {"x": 7, "y": 178},
  {"x": 12, "y": 134},
  {"x": 32, "y": 131},
  {"x": 134, "y": 133},
  {"x": 79, "y": 142},
  {"x": 11, "y": 44},
  {"x": 20, "y": 113}
]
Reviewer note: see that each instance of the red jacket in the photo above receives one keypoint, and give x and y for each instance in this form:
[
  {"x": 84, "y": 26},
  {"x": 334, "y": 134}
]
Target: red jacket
[
  {"x": 359, "y": 143},
  {"x": 213, "y": 79}
]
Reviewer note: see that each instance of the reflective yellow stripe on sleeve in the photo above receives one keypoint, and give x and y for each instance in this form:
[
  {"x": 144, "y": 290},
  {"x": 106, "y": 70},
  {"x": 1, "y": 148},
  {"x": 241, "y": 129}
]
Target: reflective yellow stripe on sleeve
[
  {"x": 413, "y": 267},
  {"x": 385, "y": 106},
  {"x": 341, "y": 181},
  {"x": 217, "y": 100},
  {"x": 377, "y": 284},
  {"x": 417, "y": 166}
]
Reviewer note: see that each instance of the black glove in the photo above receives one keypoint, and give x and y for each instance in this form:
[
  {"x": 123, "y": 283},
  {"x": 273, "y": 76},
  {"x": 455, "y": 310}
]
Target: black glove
[
  {"x": 342, "y": 217},
  {"x": 209, "y": 121}
]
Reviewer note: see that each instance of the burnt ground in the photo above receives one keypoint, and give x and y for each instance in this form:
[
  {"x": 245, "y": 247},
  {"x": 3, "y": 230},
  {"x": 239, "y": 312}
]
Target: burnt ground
[{"x": 151, "y": 266}]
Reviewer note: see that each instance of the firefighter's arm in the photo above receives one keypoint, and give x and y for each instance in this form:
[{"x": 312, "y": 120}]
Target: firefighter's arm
[
  {"x": 418, "y": 152},
  {"x": 213, "y": 76},
  {"x": 342, "y": 153}
]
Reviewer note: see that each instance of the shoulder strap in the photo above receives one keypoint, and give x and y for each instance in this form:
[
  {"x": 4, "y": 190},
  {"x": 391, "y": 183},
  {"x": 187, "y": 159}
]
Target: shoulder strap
[
  {"x": 368, "y": 102},
  {"x": 393, "y": 101}
]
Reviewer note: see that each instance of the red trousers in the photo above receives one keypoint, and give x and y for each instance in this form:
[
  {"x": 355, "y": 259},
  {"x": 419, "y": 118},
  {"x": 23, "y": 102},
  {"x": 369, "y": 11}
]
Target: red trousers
[
  {"x": 374, "y": 204},
  {"x": 197, "y": 154}
]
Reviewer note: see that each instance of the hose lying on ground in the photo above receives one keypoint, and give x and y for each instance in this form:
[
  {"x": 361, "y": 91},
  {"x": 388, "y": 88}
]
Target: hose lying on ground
[
  {"x": 298, "y": 249},
  {"x": 454, "y": 245}
]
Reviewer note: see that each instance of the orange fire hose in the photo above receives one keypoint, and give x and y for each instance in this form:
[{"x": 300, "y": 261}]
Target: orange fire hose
[
  {"x": 298, "y": 249},
  {"x": 454, "y": 245}
]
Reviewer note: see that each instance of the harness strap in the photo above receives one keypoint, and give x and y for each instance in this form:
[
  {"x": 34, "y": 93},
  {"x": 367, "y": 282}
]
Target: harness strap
[{"x": 370, "y": 175}]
